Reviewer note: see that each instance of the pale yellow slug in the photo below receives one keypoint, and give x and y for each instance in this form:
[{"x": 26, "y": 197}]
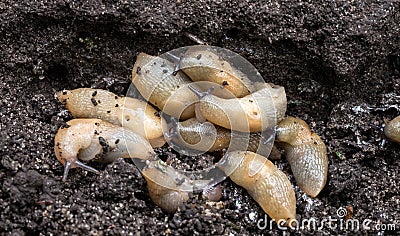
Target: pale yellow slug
[
  {"x": 205, "y": 64},
  {"x": 167, "y": 188},
  {"x": 268, "y": 186},
  {"x": 95, "y": 139},
  {"x": 131, "y": 113},
  {"x": 306, "y": 154},
  {"x": 196, "y": 135},
  {"x": 252, "y": 113},
  {"x": 158, "y": 83},
  {"x": 235, "y": 113}
]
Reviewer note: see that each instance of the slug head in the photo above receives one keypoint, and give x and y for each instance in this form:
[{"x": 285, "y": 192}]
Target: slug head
[
  {"x": 67, "y": 144},
  {"x": 62, "y": 96},
  {"x": 167, "y": 188},
  {"x": 292, "y": 130}
]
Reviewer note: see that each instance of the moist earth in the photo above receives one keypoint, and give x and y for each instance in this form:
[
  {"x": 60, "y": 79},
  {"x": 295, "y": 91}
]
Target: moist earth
[{"x": 339, "y": 64}]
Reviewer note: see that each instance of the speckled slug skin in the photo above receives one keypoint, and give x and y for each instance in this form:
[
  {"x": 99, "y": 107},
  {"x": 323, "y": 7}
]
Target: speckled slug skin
[
  {"x": 306, "y": 154},
  {"x": 95, "y": 139},
  {"x": 156, "y": 81},
  {"x": 252, "y": 113},
  {"x": 168, "y": 188},
  {"x": 192, "y": 132},
  {"x": 269, "y": 186},
  {"x": 131, "y": 113},
  {"x": 206, "y": 65}
]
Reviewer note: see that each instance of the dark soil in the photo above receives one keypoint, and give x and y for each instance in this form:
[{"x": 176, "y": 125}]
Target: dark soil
[{"x": 339, "y": 63}]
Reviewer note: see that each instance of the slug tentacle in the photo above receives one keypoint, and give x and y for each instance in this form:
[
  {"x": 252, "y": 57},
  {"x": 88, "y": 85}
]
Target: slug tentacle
[
  {"x": 94, "y": 139},
  {"x": 76, "y": 163},
  {"x": 268, "y": 186},
  {"x": 199, "y": 94},
  {"x": 306, "y": 154},
  {"x": 392, "y": 129},
  {"x": 131, "y": 113}
]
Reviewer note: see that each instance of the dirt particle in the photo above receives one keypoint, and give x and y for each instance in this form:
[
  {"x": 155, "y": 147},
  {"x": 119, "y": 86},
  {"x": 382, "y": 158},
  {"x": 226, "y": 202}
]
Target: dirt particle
[{"x": 94, "y": 102}]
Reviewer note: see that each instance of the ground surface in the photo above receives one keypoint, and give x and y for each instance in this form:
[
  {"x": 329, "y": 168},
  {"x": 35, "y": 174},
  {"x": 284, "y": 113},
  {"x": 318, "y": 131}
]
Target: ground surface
[{"x": 339, "y": 63}]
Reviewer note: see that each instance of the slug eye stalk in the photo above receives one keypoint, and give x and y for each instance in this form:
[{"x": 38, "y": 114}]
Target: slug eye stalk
[{"x": 77, "y": 163}]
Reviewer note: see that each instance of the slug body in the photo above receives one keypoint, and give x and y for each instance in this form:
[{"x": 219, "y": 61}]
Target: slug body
[
  {"x": 203, "y": 136},
  {"x": 95, "y": 139},
  {"x": 252, "y": 113},
  {"x": 131, "y": 113},
  {"x": 268, "y": 186},
  {"x": 207, "y": 65},
  {"x": 91, "y": 103},
  {"x": 208, "y": 137},
  {"x": 167, "y": 188},
  {"x": 159, "y": 83},
  {"x": 306, "y": 154},
  {"x": 392, "y": 130},
  {"x": 257, "y": 142}
]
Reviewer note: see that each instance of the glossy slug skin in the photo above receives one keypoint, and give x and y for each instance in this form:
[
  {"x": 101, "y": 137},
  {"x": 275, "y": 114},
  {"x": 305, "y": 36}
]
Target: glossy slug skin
[
  {"x": 252, "y": 113},
  {"x": 150, "y": 77},
  {"x": 392, "y": 129},
  {"x": 131, "y": 113},
  {"x": 142, "y": 119},
  {"x": 95, "y": 139},
  {"x": 306, "y": 154},
  {"x": 193, "y": 132},
  {"x": 167, "y": 188},
  {"x": 206, "y": 65},
  {"x": 268, "y": 186},
  {"x": 91, "y": 103}
]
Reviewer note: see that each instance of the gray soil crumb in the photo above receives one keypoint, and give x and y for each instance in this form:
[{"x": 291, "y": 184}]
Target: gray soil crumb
[{"x": 339, "y": 64}]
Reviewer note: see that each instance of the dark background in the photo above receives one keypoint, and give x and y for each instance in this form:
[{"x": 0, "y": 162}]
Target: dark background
[{"x": 339, "y": 64}]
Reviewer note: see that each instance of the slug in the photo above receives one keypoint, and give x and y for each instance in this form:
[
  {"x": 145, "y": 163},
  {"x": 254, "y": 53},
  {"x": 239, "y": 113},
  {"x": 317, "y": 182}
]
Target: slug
[
  {"x": 265, "y": 183},
  {"x": 204, "y": 64},
  {"x": 199, "y": 136},
  {"x": 131, "y": 113},
  {"x": 306, "y": 154},
  {"x": 167, "y": 188},
  {"x": 91, "y": 103},
  {"x": 95, "y": 139},
  {"x": 252, "y": 113},
  {"x": 208, "y": 138},
  {"x": 392, "y": 130},
  {"x": 158, "y": 82}
]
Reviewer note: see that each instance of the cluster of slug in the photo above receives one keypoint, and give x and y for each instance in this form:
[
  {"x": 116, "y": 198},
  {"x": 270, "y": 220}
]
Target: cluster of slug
[{"x": 233, "y": 110}]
